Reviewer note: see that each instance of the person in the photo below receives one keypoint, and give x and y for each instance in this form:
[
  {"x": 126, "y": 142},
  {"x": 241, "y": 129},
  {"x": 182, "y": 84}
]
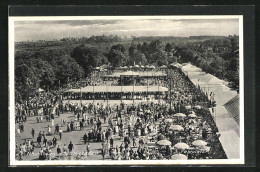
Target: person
[
  {"x": 49, "y": 130},
  {"x": 70, "y": 147},
  {"x": 134, "y": 143},
  {"x": 81, "y": 125},
  {"x": 65, "y": 150},
  {"x": 85, "y": 138},
  {"x": 39, "y": 140},
  {"x": 44, "y": 141},
  {"x": 57, "y": 128},
  {"x": 54, "y": 140},
  {"x": 33, "y": 132},
  {"x": 58, "y": 151},
  {"x": 60, "y": 133},
  {"x": 103, "y": 153},
  {"x": 111, "y": 142},
  {"x": 88, "y": 148}
]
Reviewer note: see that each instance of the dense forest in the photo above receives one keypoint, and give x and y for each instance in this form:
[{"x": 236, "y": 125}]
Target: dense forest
[{"x": 51, "y": 64}]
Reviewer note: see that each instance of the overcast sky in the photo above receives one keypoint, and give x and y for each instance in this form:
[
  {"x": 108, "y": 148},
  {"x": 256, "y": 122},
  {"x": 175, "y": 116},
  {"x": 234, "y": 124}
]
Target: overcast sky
[{"x": 48, "y": 30}]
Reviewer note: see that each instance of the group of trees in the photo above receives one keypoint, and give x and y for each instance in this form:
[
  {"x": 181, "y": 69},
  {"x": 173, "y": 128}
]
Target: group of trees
[
  {"x": 43, "y": 69},
  {"x": 92, "y": 39},
  {"x": 49, "y": 67},
  {"x": 219, "y": 57}
]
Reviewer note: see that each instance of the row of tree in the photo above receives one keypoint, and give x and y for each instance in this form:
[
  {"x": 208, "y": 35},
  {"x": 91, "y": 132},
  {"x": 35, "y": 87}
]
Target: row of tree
[
  {"x": 223, "y": 64},
  {"x": 50, "y": 67}
]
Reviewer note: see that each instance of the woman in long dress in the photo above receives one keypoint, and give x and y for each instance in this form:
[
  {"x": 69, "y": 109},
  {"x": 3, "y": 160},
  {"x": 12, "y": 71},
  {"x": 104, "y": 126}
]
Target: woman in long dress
[{"x": 52, "y": 122}]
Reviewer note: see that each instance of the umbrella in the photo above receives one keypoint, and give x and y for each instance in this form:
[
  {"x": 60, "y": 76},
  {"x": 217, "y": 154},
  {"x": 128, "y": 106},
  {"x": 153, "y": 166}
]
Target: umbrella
[
  {"x": 164, "y": 142},
  {"x": 163, "y": 67},
  {"x": 205, "y": 148},
  {"x": 168, "y": 120},
  {"x": 179, "y": 115},
  {"x": 188, "y": 107},
  {"x": 176, "y": 127},
  {"x": 40, "y": 90},
  {"x": 179, "y": 157},
  {"x": 192, "y": 115},
  {"x": 181, "y": 146},
  {"x": 197, "y": 107},
  {"x": 199, "y": 143}
]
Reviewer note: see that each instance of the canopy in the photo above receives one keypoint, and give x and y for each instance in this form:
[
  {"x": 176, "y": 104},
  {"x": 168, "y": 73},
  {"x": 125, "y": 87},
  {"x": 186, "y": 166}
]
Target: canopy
[
  {"x": 140, "y": 74},
  {"x": 177, "y": 65},
  {"x": 163, "y": 67},
  {"x": 136, "y": 66},
  {"x": 129, "y": 73},
  {"x": 199, "y": 143},
  {"x": 176, "y": 128},
  {"x": 164, "y": 143},
  {"x": 152, "y": 67},
  {"x": 181, "y": 146},
  {"x": 117, "y": 89},
  {"x": 179, "y": 115},
  {"x": 179, "y": 157}
]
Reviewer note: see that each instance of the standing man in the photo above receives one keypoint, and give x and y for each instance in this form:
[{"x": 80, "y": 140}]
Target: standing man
[
  {"x": 58, "y": 151},
  {"x": 60, "y": 133},
  {"x": 70, "y": 147},
  {"x": 54, "y": 141},
  {"x": 33, "y": 132},
  {"x": 85, "y": 138},
  {"x": 111, "y": 142}
]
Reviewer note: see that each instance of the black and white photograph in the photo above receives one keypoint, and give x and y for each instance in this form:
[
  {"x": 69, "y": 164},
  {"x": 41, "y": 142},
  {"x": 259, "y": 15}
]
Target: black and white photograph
[{"x": 126, "y": 90}]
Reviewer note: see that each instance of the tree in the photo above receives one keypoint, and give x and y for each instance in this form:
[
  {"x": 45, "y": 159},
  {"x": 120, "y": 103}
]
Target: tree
[
  {"x": 118, "y": 56},
  {"x": 138, "y": 57},
  {"x": 132, "y": 49},
  {"x": 88, "y": 57},
  {"x": 168, "y": 47}
]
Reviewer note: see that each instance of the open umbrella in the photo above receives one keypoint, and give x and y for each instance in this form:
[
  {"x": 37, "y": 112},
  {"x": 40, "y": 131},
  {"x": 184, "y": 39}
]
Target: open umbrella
[
  {"x": 176, "y": 128},
  {"x": 179, "y": 115},
  {"x": 181, "y": 146},
  {"x": 179, "y": 157},
  {"x": 168, "y": 120},
  {"x": 205, "y": 148},
  {"x": 164, "y": 143},
  {"x": 188, "y": 107},
  {"x": 199, "y": 143},
  {"x": 197, "y": 107},
  {"x": 192, "y": 115},
  {"x": 40, "y": 90}
]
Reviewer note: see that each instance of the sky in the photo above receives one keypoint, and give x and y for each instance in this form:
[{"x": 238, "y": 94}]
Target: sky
[{"x": 57, "y": 29}]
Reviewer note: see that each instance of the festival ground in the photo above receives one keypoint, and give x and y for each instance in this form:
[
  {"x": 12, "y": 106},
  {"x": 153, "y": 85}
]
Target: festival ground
[{"x": 75, "y": 136}]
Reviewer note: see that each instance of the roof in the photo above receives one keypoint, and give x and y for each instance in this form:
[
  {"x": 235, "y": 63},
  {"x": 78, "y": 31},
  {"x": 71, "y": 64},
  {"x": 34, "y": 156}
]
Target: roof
[
  {"x": 117, "y": 89},
  {"x": 163, "y": 67},
  {"x": 231, "y": 101},
  {"x": 141, "y": 74},
  {"x": 131, "y": 73}
]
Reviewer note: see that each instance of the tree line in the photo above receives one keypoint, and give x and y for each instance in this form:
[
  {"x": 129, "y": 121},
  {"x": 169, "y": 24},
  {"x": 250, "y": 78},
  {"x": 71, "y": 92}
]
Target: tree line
[{"x": 50, "y": 68}]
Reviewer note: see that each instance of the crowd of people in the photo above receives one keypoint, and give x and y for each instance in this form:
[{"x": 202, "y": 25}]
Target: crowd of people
[{"x": 146, "y": 130}]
